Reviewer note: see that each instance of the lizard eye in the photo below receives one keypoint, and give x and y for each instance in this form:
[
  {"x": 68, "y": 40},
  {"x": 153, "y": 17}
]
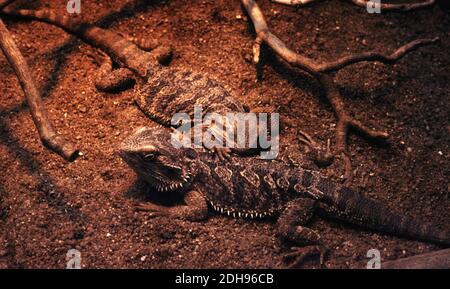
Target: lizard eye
[{"x": 149, "y": 157}]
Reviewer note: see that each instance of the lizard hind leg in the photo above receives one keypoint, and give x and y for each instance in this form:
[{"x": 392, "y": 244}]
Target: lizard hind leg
[
  {"x": 290, "y": 228},
  {"x": 109, "y": 80},
  {"x": 146, "y": 44}
]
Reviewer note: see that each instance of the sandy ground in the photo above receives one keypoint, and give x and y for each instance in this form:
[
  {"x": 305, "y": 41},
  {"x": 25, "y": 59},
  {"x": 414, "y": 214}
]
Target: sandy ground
[{"x": 48, "y": 206}]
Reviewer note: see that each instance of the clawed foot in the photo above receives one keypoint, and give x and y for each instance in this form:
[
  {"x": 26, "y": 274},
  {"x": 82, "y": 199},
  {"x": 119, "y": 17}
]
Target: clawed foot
[
  {"x": 155, "y": 210},
  {"x": 99, "y": 57},
  {"x": 222, "y": 153},
  {"x": 300, "y": 254},
  {"x": 322, "y": 157}
]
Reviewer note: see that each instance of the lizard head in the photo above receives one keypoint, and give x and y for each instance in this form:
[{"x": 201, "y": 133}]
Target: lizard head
[{"x": 149, "y": 152}]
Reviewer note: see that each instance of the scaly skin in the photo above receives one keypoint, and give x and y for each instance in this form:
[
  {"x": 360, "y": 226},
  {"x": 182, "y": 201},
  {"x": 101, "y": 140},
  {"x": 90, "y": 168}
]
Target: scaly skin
[
  {"x": 255, "y": 188},
  {"x": 171, "y": 91},
  {"x": 168, "y": 91}
]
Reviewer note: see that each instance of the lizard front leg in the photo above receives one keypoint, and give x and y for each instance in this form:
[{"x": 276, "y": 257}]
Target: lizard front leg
[
  {"x": 229, "y": 145},
  {"x": 290, "y": 228},
  {"x": 194, "y": 209},
  {"x": 161, "y": 52},
  {"x": 109, "y": 80}
]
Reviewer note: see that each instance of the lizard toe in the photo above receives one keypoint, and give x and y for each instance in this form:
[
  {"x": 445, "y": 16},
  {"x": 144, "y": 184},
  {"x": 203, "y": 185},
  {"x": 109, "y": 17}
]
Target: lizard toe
[{"x": 300, "y": 254}]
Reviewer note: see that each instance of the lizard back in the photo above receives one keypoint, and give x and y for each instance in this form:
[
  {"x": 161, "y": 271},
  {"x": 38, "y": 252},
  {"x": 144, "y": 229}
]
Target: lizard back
[
  {"x": 251, "y": 186},
  {"x": 169, "y": 91}
]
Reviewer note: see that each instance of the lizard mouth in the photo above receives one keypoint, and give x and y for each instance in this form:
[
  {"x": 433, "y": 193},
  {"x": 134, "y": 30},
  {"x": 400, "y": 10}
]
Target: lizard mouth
[
  {"x": 168, "y": 176},
  {"x": 162, "y": 184},
  {"x": 161, "y": 174}
]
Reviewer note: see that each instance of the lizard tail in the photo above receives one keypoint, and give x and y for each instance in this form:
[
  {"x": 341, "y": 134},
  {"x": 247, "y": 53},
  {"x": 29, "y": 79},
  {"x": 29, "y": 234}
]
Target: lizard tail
[
  {"x": 52, "y": 17},
  {"x": 355, "y": 208}
]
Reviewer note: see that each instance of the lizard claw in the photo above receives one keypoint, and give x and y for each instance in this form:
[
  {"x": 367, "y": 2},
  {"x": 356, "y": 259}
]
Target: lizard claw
[
  {"x": 222, "y": 153},
  {"x": 149, "y": 207},
  {"x": 99, "y": 57},
  {"x": 322, "y": 157},
  {"x": 300, "y": 254}
]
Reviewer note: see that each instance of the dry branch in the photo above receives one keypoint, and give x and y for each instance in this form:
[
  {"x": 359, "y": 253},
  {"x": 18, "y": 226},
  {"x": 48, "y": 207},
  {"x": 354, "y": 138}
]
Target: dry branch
[
  {"x": 38, "y": 112},
  {"x": 294, "y": 2},
  {"x": 404, "y": 7},
  {"x": 374, "y": 56},
  {"x": 434, "y": 260},
  {"x": 319, "y": 72},
  {"x": 397, "y": 7},
  {"x": 4, "y": 3}
]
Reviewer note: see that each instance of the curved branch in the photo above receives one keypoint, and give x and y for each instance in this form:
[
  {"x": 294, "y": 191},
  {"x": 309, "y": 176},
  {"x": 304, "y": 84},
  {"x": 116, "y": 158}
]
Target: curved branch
[
  {"x": 319, "y": 72},
  {"x": 375, "y": 56},
  {"x": 4, "y": 3},
  {"x": 403, "y": 7},
  {"x": 37, "y": 109},
  {"x": 397, "y": 7},
  {"x": 309, "y": 64},
  {"x": 433, "y": 260},
  {"x": 294, "y": 2}
]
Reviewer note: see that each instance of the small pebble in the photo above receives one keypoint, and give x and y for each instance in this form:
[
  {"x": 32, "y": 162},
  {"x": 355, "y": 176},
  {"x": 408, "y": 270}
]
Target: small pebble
[{"x": 82, "y": 108}]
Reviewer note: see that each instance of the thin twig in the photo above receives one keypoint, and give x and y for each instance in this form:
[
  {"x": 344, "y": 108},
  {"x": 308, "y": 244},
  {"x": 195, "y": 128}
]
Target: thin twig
[
  {"x": 38, "y": 112},
  {"x": 319, "y": 72},
  {"x": 375, "y": 56}
]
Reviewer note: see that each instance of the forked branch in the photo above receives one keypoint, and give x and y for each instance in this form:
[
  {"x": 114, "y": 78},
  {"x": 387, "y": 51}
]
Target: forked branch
[
  {"x": 319, "y": 72},
  {"x": 38, "y": 112}
]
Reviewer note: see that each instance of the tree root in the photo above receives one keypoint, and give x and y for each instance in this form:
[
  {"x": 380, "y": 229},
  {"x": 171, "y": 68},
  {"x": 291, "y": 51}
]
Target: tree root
[{"x": 320, "y": 72}]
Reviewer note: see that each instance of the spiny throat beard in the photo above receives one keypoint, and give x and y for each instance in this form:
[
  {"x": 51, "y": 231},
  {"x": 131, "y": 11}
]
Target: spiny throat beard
[{"x": 171, "y": 185}]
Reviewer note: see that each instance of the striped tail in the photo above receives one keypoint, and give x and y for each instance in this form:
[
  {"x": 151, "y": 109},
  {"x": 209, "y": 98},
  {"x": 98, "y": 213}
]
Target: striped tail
[
  {"x": 52, "y": 17},
  {"x": 350, "y": 206}
]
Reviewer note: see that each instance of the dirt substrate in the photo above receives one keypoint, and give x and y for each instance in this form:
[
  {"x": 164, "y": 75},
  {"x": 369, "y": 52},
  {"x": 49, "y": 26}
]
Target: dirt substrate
[{"x": 48, "y": 206}]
